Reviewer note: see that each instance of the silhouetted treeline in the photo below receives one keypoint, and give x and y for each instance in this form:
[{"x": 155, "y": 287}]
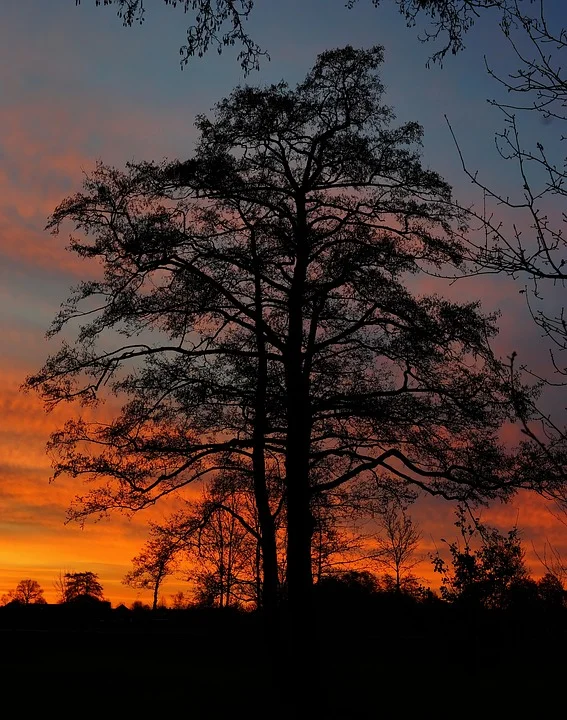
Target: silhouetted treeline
[
  {"x": 369, "y": 640},
  {"x": 350, "y": 606}
]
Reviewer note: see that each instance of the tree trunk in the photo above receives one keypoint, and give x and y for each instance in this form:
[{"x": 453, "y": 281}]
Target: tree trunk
[
  {"x": 301, "y": 639},
  {"x": 268, "y": 545}
]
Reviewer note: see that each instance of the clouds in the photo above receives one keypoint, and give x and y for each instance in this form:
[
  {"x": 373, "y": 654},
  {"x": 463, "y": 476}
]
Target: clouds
[{"x": 76, "y": 87}]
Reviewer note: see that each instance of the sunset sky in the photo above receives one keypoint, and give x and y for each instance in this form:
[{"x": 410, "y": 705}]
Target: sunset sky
[{"x": 77, "y": 87}]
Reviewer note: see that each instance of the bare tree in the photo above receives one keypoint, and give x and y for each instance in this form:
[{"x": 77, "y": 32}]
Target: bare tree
[
  {"x": 521, "y": 230},
  {"x": 157, "y": 561},
  {"x": 397, "y": 542},
  {"x": 27, "y": 592},
  {"x": 552, "y": 561},
  {"x": 533, "y": 246}
]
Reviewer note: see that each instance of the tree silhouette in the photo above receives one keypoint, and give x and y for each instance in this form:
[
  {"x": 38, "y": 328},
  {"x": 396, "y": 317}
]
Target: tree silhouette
[
  {"x": 27, "y": 592},
  {"x": 491, "y": 576},
  {"x": 157, "y": 561},
  {"x": 256, "y": 316},
  {"x": 527, "y": 240},
  {"x": 81, "y": 585},
  {"x": 398, "y": 539}
]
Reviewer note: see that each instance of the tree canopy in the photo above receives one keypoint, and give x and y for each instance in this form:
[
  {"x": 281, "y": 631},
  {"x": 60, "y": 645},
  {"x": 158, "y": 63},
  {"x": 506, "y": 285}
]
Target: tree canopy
[
  {"x": 78, "y": 586},
  {"x": 260, "y": 316},
  {"x": 27, "y": 592}
]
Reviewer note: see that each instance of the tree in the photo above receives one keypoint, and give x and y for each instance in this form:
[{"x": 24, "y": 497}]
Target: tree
[
  {"x": 397, "y": 542},
  {"x": 179, "y": 601},
  {"x": 337, "y": 541},
  {"x": 222, "y": 24},
  {"x": 80, "y": 585},
  {"x": 27, "y": 592},
  {"x": 213, "y": 542},
  {"x": 494, "y": 576},
  {"x": 551, "y": 592},
  {"x": 531, "y": 246},
  {"x": 156, "y": 561},
  {"x": 225, "y": 553},
  {"x": 552, "y": 562},
  {"x": 256, "y": 316},
  {"x": 344, "y": 590}
]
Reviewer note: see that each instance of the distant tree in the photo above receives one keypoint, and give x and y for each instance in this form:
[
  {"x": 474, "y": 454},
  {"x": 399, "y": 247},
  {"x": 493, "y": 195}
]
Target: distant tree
[
  {"x": 493, "y": 575},
  {"x": 214, "y": 543},
  {"x": 339, "y": 537},
  {"x": 552, "y": 561},
  {"x": 60, "y": 587},
  {"x": 552, "y": 592},
  {"x": 180, "y": 601},
  {"x": 224, "y": 553},
  {"x": 158, "y": 559},
  {"x": 409, "y": 585},
  {"x": 78, "y": 585},
  {"x": 27, "y": 592},
  {"x": 139, "y": 606},
  {"x": 397, "y": 542},
  {"x": 347, "y": 588}
]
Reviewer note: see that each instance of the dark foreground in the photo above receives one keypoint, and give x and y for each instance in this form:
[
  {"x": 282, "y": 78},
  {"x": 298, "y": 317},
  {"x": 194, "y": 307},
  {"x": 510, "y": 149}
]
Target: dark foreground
[{"x": 212, "y": 664}]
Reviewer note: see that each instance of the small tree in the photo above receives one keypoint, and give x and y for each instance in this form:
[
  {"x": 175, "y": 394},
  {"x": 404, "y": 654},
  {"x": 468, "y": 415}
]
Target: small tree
[
  {"x": 80, "y": 585},
  {"x": 397, "y": 543},
  {"x": 552, "y": 592},
  {"x": 180, "y": 601},
  {"x": 494, "y": 576},
  {"x": 27, "y": 592},
  {"x": 214, "y": 543},
  {"x": 157, "y": 560}
]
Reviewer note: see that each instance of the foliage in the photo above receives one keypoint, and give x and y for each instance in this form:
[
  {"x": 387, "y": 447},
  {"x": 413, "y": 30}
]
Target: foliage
[
  {"x": 221, "y": 24},
  {"x": 494, "y": 576},
  {"x": 408, "y": 585},
  {"x": 218, "y": 24},
  {"x": 139, "y": 606},
  {"x": 347, "y": 586},
  {"x": 552, "y": 591},
  {"x": 81, "y": 585},
  {"x": 27, "y": 592}
]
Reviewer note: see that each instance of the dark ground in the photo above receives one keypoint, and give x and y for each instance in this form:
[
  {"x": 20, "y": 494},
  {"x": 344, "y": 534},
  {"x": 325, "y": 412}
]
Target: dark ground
[{"x": 210, "y": 664}]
